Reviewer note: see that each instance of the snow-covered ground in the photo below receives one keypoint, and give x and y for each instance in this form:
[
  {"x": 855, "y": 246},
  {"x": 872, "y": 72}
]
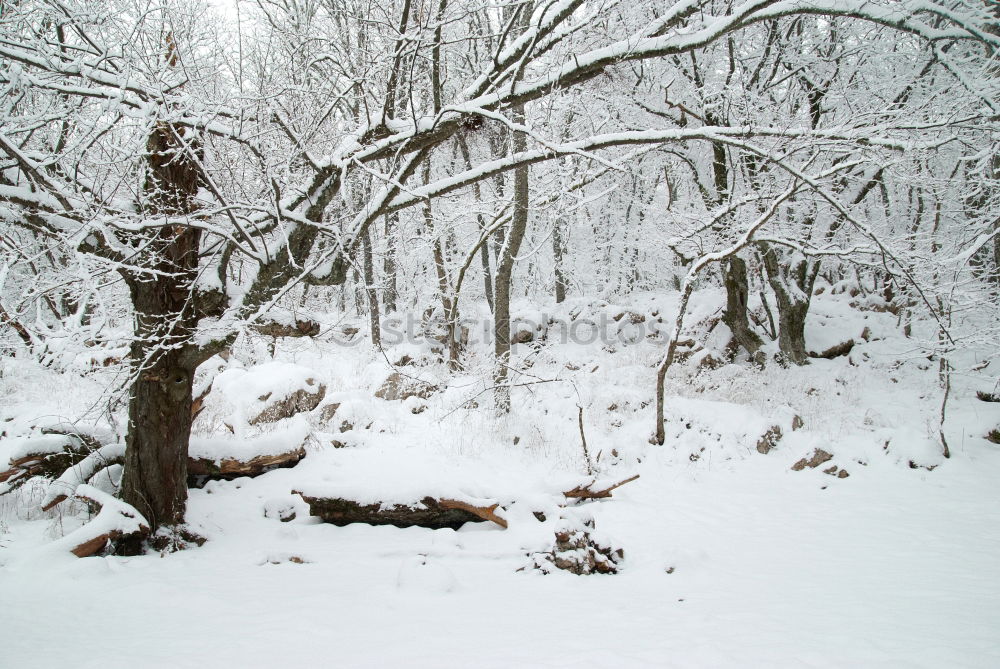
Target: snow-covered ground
[{"x": 731, "y": 558}]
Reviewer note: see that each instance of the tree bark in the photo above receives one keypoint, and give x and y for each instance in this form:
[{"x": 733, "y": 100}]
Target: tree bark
[{"x": 155, "y": 476}]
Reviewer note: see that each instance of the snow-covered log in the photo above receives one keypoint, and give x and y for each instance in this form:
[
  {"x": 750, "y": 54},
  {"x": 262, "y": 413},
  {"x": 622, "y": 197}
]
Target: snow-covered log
[
  {"x": 428, "y": 512},
  {"x": 229, "y": 458},
  {"x": 48, "y": 455},
  {"x": 115, "y": 520},
  {"x": 835, "y": 351},
  {"x": 80, "y": 473},
  {"x": 293, "y": 328},
  {"x": 229, "y": 468}
]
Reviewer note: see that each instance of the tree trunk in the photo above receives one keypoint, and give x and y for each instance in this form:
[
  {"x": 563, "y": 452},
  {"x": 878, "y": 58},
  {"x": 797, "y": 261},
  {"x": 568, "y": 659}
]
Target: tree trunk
[
  {"x": 163, "y": 364},
  {"x": 373, "y": 311},
  {"x": 505, "y": 269},
  {"x": 155, "y": 475},
  {"x": 484, "y": 250},
  {"x": 389, "y": 263},
  {"x": 449, "y": 306},
  {"x": 163, "y": 357},
  {"x": 509, "y": 250},
  {"x": 734, "y": 272},
  {"x": 484, "y": 257},
  {"x": 668, "y": 359},
  {"x": 792, "y": 283},
  {"x": 557, "y": 258}
]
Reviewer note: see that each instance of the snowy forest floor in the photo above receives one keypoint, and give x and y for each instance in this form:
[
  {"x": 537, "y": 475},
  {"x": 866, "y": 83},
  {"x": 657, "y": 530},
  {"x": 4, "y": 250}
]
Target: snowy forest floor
[{"x": 731, "y": 558}]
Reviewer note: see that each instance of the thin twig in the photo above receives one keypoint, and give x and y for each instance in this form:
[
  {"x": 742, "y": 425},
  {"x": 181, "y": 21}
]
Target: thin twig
[{"x": 583, "y": 440}]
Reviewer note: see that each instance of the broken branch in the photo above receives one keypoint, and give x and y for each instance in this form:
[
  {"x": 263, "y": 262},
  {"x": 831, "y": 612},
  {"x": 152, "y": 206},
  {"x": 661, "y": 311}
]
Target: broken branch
[
  {"x": 484, "y": 512},
  {"x": 587, "y": 492}
]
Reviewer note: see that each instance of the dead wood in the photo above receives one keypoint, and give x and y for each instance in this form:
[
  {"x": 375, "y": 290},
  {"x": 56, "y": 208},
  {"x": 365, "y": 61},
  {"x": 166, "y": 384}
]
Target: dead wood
[
  {"x": 428, "y": 512},
  {"x": 201, "y": 470},
  {"x": 835, "y": 351},
  {"x": 58, "y": 499},
  {"x": 115, "y": 520},
  {"x": 300, "y": 401},
  {"x": 307, "y": 328},
  {"x": 92, "y": 546},
  {"x": 484, "y": 512},
  {"x": 50, "y": 463},
  {"x": 587, "y": 491},
  {"x": 198, "y": 403}
]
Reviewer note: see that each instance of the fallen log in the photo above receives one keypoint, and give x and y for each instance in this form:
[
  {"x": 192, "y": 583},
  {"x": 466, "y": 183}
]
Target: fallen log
[
  {"x": 603, "y": 490},
  {"x": 834, "y": 351},
  {"x": 49, "y": 454},
  {"x": 115, "y": 520},
  {"x": 484, "y": 512},
  {"x": 291, "y": 328},
  {"x": 81, "y": 472},
  {"x": 201, "y": 469},
  {"x": 428, "y": 512},
  {"x": 229, "y": 458}
]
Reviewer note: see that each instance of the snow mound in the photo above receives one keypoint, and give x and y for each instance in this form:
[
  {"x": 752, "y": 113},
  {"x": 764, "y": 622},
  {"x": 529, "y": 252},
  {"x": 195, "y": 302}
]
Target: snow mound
[{"x": 262, "y": 394}]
